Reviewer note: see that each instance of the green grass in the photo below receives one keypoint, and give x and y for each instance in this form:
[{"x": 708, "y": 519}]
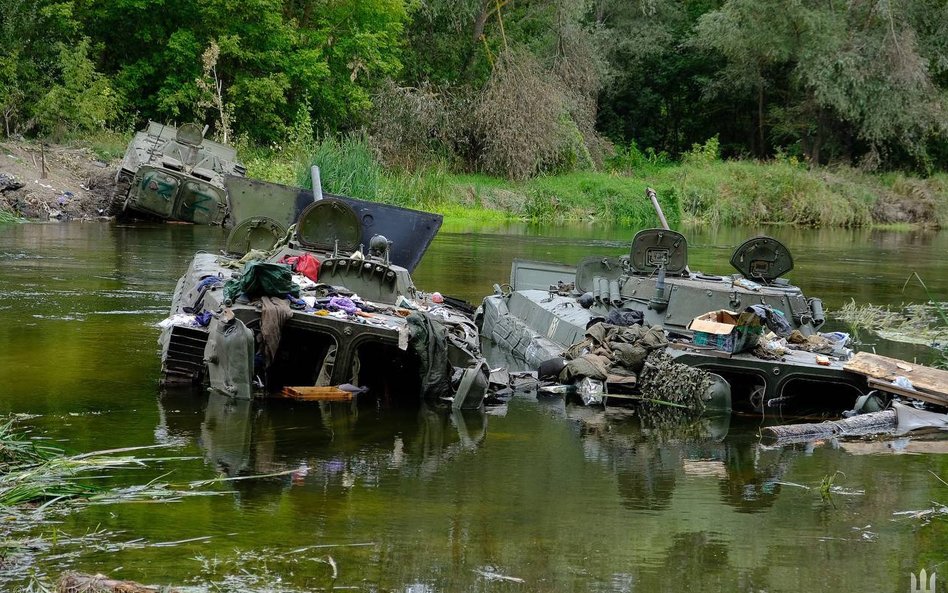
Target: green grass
[
  {"x": 8, "y": 217},
  {"x": 701, "y": 189},
  {"x": 107, "y": 145}
]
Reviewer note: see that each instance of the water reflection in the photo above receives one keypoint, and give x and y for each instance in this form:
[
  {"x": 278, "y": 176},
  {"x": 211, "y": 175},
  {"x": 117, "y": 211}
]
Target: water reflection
[
  {"x": 648, "y": 460},
  {"x": 323, "y": 443}
]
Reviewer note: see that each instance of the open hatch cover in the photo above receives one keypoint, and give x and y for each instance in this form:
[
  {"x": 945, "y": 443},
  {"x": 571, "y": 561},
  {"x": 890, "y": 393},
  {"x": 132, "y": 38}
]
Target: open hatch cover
[{"x": 762, "y": 258}]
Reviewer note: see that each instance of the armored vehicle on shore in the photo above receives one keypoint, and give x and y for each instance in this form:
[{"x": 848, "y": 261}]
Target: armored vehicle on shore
[
  {"x": 545, "y": 308},
  {"x": 330, "y": 303},
  {"x": 173, "y": 173}
]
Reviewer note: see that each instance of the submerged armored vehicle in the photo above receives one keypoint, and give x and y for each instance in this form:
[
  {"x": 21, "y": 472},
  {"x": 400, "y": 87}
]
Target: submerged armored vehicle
[
  {"x": 175, "y": 174},
  {"x": 347, "y": 312},
  {"x": 546, "y": 308}
]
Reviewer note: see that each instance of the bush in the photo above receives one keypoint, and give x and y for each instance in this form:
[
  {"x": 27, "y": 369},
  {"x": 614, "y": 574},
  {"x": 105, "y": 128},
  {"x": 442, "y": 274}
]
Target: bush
[
  {"x": 704, "y": 154},
  {"x": 413, "y": 126}
]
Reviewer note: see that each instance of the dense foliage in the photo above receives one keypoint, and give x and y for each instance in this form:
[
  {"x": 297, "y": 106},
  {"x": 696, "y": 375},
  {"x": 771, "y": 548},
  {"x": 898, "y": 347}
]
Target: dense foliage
[{"x": 512, "y": 87}]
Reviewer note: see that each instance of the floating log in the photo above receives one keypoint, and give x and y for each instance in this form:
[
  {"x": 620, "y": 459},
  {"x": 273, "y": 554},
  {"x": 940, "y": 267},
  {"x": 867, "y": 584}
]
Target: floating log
[
  {"x": 317, "y": 394},
  {"x": 75, "y": 582},
  {"x": 874, "y": 422},
  {"x": 930, "y": 385}
]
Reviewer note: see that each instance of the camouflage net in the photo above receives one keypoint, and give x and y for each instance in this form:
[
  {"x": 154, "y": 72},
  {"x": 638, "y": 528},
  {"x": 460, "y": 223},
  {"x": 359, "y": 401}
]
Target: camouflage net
[{"x": 669, "y": 382}]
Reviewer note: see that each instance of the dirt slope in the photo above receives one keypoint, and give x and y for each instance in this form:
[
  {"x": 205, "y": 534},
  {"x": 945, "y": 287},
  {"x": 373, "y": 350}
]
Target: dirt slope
[{"x": 77, "y": 186}]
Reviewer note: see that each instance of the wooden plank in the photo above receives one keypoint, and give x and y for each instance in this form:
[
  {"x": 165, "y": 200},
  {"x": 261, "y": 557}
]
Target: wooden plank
[
  {"x": 911, "y": 393},
  {"x": 923, "y": 378},
  {"x": 317, "y": 394}
]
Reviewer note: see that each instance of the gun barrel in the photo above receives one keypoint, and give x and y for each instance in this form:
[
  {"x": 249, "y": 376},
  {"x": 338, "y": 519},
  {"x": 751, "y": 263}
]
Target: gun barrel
[{"x": 658, "y": 208}]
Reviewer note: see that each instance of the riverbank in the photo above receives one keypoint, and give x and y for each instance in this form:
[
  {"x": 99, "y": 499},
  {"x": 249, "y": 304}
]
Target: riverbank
[{"x": 699, "y": 190}]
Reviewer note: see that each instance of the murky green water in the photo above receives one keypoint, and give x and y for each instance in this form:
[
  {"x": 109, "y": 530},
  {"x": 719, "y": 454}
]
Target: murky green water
[{"x": 564, "y": 498}]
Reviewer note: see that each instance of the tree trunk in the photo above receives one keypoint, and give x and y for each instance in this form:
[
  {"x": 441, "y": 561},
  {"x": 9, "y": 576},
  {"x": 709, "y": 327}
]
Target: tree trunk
[
  {"x": 874, "y": 422},
  {"x": 817, "y": 143},
  {"x": 479, "y": 24},
  {"x": 760, "y": 114}
]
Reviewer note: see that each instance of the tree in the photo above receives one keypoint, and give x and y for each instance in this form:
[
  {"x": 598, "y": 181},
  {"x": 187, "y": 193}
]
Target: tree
[
  {"x": 275, "y": 58},
  {"x": 82, "y": 99},
  {"x": 31, "y": 34},
  {"x": 834, "y": 73},
  {"x": 654, "y": 90}
]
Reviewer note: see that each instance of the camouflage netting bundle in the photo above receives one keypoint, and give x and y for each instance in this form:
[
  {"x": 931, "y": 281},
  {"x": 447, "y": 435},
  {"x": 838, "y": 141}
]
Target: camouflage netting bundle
[{"x": 668, "y": 382}]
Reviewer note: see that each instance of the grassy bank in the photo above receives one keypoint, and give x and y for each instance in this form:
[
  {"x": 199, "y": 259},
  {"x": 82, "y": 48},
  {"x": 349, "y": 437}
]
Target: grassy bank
[{"x": 699, "y": 190}]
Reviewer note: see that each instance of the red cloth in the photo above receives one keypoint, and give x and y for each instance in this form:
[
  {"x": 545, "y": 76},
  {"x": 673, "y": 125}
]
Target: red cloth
[{"x": 305, "y": 264}]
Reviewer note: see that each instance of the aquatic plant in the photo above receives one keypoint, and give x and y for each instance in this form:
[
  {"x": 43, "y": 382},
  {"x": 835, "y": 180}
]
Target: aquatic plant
[
  {"x": 8, "y": 217},
  {"x": 925, "y": 324},
  {"x": 38, "y": 481},
  {"x": 827, "y": 485}
]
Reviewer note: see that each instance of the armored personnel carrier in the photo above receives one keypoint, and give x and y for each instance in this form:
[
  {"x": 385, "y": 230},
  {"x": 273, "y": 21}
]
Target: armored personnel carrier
[
  {"x": 330, "y": 302},
  {"x": 173, "y": 173},
  {"x": 545, "y": 308}
]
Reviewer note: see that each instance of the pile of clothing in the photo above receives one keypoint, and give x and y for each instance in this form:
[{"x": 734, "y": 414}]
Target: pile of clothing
[{"x": 614, "y": 354}]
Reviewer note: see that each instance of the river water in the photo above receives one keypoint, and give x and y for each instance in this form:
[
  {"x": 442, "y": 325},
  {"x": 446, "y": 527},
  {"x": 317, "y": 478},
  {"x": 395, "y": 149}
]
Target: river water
[{"x": 533, "y": 496}]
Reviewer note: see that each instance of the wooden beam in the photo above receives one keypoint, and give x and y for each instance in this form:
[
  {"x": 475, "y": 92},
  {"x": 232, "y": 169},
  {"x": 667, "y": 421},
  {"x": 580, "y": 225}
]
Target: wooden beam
[{"x": 316, "y": 394}]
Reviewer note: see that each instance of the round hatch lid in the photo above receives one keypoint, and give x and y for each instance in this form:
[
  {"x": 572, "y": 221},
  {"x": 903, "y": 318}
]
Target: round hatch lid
[
  {"x": 653, "y": 248},
  {"x": 762, "y": 258},
  {"x": 329, "y": 220},
  {"x": 190, "y": 135},
  {"x": 256, "y": 232}
]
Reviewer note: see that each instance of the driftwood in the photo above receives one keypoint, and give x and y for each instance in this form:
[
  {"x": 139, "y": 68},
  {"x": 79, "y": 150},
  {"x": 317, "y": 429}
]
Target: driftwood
[
  {"x": 871, "y": 423},
  {"x": 75, "y": 582}
]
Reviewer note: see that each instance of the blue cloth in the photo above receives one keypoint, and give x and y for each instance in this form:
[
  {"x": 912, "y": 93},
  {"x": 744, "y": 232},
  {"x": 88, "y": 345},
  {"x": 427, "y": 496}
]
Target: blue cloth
[
  {"x": 208, "y": 281},
  {"x": 203, "y": 318}
]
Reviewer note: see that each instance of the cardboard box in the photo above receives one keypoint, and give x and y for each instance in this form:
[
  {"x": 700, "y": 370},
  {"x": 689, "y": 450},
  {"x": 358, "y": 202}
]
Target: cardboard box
[{"x": 726, "y": 330}]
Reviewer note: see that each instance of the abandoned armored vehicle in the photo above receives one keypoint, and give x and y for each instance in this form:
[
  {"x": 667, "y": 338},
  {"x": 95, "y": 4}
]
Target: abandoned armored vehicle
[
  {"x": 332, "y": 303},
  {"x": 547, "y": 308},
  {"x": 173, "y": 173}
]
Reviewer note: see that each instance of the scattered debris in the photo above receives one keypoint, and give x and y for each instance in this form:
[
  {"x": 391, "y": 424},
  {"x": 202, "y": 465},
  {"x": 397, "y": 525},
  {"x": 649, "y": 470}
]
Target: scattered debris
[
  {"x": 76, "y": 186},
  {"x": 895, "y": 376},
  {"x": 76, "y": 582},
  {"x": 491, "y": 574}
]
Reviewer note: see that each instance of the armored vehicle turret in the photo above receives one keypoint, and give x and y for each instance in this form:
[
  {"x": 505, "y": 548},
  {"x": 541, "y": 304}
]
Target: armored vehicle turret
[
  {"x": 326, "y": 301},
  {"x": 546, "y": 308},
  {"x": 173, "y": 173}
]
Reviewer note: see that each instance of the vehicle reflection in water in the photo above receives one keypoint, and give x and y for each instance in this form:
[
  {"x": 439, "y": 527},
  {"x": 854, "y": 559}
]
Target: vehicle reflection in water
[
  {"x": 325, "y": 442},
  {"x": 648, "y": 459}
]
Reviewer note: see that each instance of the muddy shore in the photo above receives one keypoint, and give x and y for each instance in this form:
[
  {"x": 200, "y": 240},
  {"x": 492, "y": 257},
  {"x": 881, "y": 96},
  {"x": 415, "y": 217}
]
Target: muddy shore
[{"x": 54, "y": 182}]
